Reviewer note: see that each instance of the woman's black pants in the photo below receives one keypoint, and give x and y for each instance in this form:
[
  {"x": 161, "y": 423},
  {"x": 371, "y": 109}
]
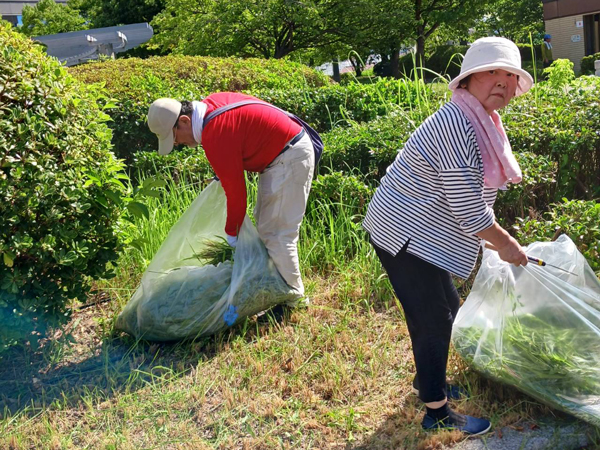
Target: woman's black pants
[{"x": 430, "y": 302}]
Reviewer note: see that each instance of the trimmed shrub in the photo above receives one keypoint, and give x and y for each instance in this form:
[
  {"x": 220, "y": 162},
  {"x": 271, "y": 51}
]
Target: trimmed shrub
[
  {"x": 527, "y": 54},
  {"x": 60, "y": 191},
  {"x": 202, "y": 74},
  {"x": 533, "y": 193},
  {"x": 183, "y": 166},
  {"x": 587, "y": 64},
  {"x": 444, "y": 61},
  {"x": 370, "y": 147},
  {"x": 577, "y": 218},
  {"x": 563, "y": 125},
  {"x": 341, "y": 190},
  {"x": 328, "y": 107},
  {"x": 136, "y": 83},
  {"x": 324, "y": 106}
]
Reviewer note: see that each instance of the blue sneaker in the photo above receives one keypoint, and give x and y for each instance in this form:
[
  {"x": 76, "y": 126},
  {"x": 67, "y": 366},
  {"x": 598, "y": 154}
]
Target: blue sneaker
[
  {"x": 453, "y": 392},
  {"x": 467, "y": 424}
]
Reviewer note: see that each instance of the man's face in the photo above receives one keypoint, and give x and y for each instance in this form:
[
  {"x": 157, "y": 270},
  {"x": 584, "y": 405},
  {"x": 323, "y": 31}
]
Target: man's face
[{"x": 182, "y": 132}]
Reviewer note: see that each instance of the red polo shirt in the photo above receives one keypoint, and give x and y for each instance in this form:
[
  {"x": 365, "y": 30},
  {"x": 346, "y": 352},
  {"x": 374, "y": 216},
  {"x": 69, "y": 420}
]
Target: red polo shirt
[{"x": 245, "y": 138}]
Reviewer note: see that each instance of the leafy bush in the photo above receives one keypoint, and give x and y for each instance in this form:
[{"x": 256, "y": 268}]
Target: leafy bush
[
  {"x": 527, "y": 54},
  {"x": 331, "y": 106},
  {"x": 60, "y": 189},
  {"x": 321, "y": 105},
  {"x": 578, "y": 219},
  {"x": 534, "y": 193},
  {"x": 188, "y": 165},
  {"x": 136, "y": 83},
  {"x": 369, "y": 147},
  {"x": 341, "y": 190},
  {"x": 203, "y": 75},
  {"x": 587, "y": 64},
  {"x": 446, "y": 61},
  {"x": 565, "y": 126},
  {"x": 560, "y": 74}
]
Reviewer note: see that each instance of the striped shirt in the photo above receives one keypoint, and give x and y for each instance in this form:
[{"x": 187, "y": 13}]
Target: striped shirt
[{"x": 433, "y": 194}]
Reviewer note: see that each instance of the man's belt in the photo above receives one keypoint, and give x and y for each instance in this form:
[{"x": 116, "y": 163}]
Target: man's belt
[{"x": 293, "y": 141}]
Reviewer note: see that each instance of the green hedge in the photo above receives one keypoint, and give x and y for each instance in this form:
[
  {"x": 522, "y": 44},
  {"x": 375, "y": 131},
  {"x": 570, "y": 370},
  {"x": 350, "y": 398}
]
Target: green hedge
[
  {"x": 577, "y": 218},
  {"x": 526, "y": 54},
  {"x": 322, "y": 105},
  {"x": 60, "y": 188},
  {"x": 563, "y": 125},
  {"x": 329, "y": 107},
  {"x": 587, "y": 64},
  {"x": 340, "y": 190},
  {"x": 534, "y": 193},
  {"x": 203, "y": 75},
  {"x": 368, "y": 147},
  {"x": 185, "y": 166},
  {"x": 136, "y": 83}
]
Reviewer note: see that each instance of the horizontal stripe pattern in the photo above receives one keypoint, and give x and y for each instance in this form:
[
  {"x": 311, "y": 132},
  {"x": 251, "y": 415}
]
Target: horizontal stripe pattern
[{"x": 433, "y": 194}]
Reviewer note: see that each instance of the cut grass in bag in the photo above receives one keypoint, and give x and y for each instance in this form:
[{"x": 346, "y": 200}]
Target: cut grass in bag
[
  {"x": 537, "y": 329},
  {"x": 195, "y": 285},
  {"x": 214, "y": 252}
]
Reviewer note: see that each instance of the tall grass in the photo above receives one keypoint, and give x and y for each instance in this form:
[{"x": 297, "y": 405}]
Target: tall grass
[
  {"x": 332, "y": 241},
  {"x": 337, "y": 375}
]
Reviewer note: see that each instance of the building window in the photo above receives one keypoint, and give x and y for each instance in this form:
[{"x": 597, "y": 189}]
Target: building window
[{"x": 591, "y": 33}]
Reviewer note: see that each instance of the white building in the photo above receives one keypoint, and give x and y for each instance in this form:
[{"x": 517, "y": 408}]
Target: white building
[{"x": 575, "y": 28}]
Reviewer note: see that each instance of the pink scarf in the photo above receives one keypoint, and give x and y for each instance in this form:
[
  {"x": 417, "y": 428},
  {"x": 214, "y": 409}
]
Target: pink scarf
[{"x": 499, "y": 163}]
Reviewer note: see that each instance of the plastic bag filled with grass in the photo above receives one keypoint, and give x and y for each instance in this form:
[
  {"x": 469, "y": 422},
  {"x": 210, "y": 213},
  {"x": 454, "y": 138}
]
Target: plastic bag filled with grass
[
  {"x": 537, "y": 328},
  {"x": 196, "y": 284}
]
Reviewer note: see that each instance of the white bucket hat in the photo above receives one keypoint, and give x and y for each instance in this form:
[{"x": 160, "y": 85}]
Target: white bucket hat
[
  {"x": 162, "y": 116},
  {"x": 491, "y": 53}
]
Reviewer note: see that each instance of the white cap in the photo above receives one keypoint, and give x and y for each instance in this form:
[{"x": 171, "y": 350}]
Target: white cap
[
  {"x": 162, "y": 115},
  {"x": 492, "y": 53}
]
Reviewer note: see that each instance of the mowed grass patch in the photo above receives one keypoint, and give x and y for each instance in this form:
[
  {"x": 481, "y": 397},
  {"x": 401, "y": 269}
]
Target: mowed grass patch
[{"x": 336, "y": 375}]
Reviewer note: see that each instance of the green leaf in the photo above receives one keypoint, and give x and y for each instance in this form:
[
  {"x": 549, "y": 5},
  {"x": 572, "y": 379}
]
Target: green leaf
[
  {"x": 8, "y": 259},
  {"x": 138, "y": 209}
]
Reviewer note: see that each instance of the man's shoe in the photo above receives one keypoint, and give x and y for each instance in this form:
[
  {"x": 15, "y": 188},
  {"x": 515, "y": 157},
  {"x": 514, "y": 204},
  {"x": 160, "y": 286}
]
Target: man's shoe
[
  {"x": 277, "y": 314},
  {"x": 467, "y": 424}
]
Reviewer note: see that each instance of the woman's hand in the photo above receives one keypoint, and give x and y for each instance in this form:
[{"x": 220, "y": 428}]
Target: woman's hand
[
  {"x": 513, "y": 253},
  {"x": 508, "y": 248}
]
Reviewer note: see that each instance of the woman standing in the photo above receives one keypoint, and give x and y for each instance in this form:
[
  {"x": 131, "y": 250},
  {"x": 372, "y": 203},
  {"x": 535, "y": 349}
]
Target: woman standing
[{"x": 434, "y": 206}]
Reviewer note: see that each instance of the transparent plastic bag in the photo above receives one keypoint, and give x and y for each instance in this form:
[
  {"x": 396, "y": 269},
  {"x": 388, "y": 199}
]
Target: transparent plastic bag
[
  {"x": 180, "y": 297},
  {"x": 537, "y": 328}
]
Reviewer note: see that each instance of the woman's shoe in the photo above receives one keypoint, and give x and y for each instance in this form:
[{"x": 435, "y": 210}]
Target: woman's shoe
[{"x": 467, "y": 424}]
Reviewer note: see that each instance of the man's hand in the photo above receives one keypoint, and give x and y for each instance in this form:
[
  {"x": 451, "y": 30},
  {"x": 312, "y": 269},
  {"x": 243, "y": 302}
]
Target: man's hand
[{"x": 232, "y": 240}]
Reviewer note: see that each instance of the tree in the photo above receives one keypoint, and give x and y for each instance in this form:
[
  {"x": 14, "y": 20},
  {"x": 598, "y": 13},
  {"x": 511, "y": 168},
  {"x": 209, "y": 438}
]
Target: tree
[
  {"x": 429, "y": 15},
  {"x": 512, "y": 19},
  {"x": 48, "y": 17},
  {"x": 266, "y": 28},
  {"x": 108, "y": 13}
]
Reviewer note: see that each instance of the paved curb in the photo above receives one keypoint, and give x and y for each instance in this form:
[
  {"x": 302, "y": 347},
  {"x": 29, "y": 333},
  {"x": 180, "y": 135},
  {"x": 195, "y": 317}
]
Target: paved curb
[{"x": 547, "y": 434}]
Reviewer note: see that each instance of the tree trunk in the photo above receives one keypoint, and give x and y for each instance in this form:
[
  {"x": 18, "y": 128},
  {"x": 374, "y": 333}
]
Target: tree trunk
[
  {"x": 336, "y": 71},
  {"x": 280, "y": 52},
  {"x": 356, "y": 65},
  {"x": 395, "y": 63},
  {"x": 420, "y": 53}
]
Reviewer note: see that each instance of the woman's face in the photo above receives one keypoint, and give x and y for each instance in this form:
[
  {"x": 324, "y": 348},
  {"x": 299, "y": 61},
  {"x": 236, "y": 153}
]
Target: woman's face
[{"x": 493, "y": 88}]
